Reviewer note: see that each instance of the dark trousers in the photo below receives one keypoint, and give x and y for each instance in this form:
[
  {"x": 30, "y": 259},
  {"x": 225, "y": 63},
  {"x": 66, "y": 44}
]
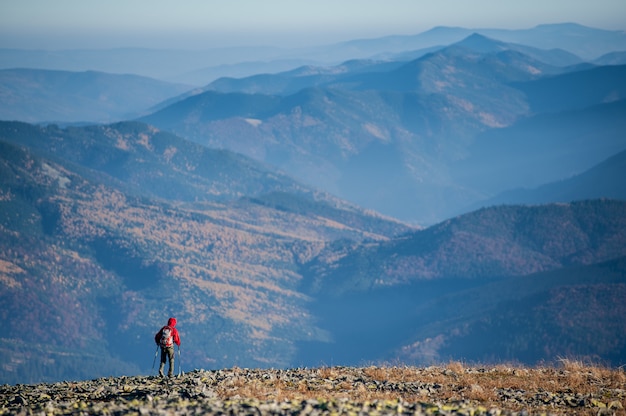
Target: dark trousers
[{"x": 167, "y": 352}]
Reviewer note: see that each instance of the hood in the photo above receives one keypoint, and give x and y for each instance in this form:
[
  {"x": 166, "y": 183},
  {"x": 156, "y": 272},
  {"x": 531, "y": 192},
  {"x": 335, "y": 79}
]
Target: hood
[{"x": 171, "y": 322}]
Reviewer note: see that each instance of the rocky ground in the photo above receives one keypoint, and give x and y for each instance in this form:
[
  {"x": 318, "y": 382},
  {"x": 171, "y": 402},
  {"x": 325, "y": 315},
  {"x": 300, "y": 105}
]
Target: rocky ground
[{"x": 443, "y": 390}]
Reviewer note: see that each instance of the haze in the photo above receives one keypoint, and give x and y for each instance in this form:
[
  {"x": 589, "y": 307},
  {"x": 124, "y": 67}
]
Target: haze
[{"x": 198, "y": 24}]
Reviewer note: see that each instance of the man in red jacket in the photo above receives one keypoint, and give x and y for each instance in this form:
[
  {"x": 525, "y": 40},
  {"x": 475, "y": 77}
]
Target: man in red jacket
[{"x": 166, "y": 338}]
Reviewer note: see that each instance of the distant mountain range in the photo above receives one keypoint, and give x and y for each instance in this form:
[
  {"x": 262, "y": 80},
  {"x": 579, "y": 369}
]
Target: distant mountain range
[
  {"x": 276, "y": 215},
  {"x": 543, "y": 148},
  {"x": 586, "y": 42},
  {"x": 417, "y": 140},
  {"x": 200, "y": 67},
  {"x": 601, "y": 181},
  {"x": 36, "y": 95}
]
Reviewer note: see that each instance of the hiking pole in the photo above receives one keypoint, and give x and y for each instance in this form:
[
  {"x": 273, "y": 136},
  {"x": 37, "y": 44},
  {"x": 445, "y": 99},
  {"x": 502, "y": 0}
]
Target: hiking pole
[
  {"x": 180, "y": 371},
  {"x": 154, "y": 360}
]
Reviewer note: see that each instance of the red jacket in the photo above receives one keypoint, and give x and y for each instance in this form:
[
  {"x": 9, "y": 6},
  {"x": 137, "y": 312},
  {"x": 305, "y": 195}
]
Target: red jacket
[{"x": 172, "y": 324}]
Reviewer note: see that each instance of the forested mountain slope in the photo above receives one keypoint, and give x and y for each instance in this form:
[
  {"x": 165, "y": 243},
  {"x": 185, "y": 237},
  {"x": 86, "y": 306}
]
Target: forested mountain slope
[
  {"x": 100, "y": 244},
  {"x": 509, "y": 283}
]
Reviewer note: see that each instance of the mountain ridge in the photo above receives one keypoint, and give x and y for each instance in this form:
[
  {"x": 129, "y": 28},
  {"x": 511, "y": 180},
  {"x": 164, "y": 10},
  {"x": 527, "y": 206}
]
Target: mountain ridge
[
  {"x": 179, "y": 65},
  {"x": 38, "y": 95},
  {"x": 602, "y": 180},
  {"x": 411, "y": 141},
  {"x": 529, "y": 153},
  {"x": 496, "y": 233}
]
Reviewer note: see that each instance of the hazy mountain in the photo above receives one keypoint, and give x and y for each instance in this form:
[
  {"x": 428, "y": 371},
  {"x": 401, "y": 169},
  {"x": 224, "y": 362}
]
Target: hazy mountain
[
  {"x": 544, "y": 148},
  {"x": 164, "y": 64},
  {"x": 342, "y": 141},
  {"x": 612, "y": 58},
  {"x": 586, "y": 42},
  {"x": 365, "y": 74},
  {"x": 34, "y": 95},
  {"x": 457, "y": 69},
  {"x": 290, "y": 82},
  {"x": 602, "y": 181},
  {"x": 93, "y": 261},
  {"x": 554, "y": 57},
  {"x": 416, "y": 140},
  {"x": 199, "y": 67},
  {"x": 582, "y": 41},
  {"x": 202, "y": 76},
  {"x": 576, "y": 90}
]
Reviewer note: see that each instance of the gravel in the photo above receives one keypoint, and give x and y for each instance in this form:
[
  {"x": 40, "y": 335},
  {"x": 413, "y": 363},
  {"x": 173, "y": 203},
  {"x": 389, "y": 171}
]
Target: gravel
[{"x": 326, "y": 391}]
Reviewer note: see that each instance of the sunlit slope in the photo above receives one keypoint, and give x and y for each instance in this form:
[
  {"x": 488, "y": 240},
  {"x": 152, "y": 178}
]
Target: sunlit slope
[{"x": 91, "y": 252}]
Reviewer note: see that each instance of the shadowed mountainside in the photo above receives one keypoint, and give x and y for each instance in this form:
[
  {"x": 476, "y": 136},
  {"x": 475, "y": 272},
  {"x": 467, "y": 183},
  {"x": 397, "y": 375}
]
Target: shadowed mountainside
[
  {"x": 499, "y": 284},
  {"x": 604, "y": 180},
  {"x": 544, "y": 148}
]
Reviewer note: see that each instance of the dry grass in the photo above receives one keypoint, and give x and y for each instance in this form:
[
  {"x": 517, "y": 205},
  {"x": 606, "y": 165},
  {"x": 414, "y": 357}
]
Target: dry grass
[
  {"x": 572, "y": 387},
  {"x": 456, "y": 382}
]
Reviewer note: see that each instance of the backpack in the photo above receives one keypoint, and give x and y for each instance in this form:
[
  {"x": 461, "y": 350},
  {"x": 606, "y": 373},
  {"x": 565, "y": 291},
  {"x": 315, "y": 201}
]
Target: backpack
[{"x": 167, "y": 337}]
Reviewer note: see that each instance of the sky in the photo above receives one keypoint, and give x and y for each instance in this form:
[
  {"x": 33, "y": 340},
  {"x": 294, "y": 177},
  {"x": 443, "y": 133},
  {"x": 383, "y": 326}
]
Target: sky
[{"x": 198, "y": 24}]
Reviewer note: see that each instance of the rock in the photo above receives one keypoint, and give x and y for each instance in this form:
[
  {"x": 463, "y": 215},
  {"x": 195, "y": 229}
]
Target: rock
[{"x": 340, "y": 390}]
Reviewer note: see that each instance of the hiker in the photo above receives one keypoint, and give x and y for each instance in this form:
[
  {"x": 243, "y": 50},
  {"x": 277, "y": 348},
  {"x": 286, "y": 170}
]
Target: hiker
[{"x": 166, "y": 338}]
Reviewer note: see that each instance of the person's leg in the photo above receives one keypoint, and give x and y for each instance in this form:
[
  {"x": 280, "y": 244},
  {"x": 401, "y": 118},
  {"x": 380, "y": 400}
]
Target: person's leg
[
  {"x": 170, "y": 352},
  {"x": 162, "y": 364}
]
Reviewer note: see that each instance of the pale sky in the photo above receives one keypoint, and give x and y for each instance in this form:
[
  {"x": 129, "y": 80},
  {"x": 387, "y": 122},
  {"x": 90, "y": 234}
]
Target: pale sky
[{"x": 198, "y": 24}]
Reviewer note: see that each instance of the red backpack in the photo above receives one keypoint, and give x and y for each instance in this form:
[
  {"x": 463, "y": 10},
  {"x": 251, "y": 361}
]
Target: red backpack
[{"x": 167, "y": 337}]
